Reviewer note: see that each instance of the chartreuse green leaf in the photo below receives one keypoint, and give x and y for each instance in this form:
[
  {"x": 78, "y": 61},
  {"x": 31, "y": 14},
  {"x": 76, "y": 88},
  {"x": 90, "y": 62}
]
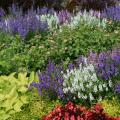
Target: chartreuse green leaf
[{"x": 13, "y": 93}]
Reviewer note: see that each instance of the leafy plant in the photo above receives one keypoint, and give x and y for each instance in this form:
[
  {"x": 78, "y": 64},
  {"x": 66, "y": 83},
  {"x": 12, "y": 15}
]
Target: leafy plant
[
  {"x": 73, "y": 112},
  {"x": 50, "y": 82},
  {"x": 13, "y": 93},
  {"x": 82, "y": 83},
  {"x": 37, "y": 108},
  {"x": 112, "y": 107}
]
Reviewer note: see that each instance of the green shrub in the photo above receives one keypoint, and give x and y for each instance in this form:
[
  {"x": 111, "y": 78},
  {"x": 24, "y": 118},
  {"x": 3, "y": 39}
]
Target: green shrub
[
  {"x": 112, "y": 107},
  {"x": 12, "y": 54},
  {"x": 13, "y": 93},
  {"x": 36, "y": 109},
  {"x": 66, "y": 45}
]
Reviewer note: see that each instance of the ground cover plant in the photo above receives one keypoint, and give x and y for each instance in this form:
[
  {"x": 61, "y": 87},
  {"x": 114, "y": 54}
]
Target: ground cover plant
[
  {"x": 50, "y": 58},
  {"x": 71, "y": 111},
  {"x": 13, "y": 93}
]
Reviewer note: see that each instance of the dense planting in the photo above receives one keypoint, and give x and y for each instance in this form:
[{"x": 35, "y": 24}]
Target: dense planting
[
  {"x": 50, "y": 58},
  {"x": 13, "y": 93}
]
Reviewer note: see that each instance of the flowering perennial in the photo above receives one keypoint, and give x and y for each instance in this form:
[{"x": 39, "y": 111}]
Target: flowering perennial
[{"x": 82, "y": 83}]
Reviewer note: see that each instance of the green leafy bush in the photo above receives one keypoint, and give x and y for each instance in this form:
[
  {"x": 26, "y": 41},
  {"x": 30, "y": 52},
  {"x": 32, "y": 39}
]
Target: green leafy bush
[
  {"x": 65, "y": 45},
  {"x": 13, "y": 93},
  {"x": 36, "y": 109},
  {"x": 12, "y": 54},
  {"x": 112, "y": 107}
]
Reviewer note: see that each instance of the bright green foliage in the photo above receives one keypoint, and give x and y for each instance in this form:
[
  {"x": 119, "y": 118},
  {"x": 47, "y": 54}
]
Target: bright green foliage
[
  {"x": 112, "y": 107},
  {"x": 13, "y": 93},
  {"x": 36, "y": 109}
]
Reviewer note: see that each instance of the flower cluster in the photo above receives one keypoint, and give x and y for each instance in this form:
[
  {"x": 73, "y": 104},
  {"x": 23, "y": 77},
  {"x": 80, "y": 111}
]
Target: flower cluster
[
  {"x": 42, "y": 18},
  {"x": 73, "y": 112},
  {"x": 91, "y": 18},
  {"x": 23, "y": 24},
  {"x": 82, "y": 83},
  {"x": 111, "y": 13},
  {"x": 50, "y": 81},
  {"x": 107, "y": 64}
]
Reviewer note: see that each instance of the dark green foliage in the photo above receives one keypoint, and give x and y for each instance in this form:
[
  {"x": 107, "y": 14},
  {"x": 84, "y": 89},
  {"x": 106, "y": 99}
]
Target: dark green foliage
[
  {"x": 66, "y": 46},
  {"x": 113, "y": 26}
]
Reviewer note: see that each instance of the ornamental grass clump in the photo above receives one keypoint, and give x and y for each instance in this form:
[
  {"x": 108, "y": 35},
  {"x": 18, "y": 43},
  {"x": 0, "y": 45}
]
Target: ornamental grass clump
[{"x": 82, "y": 83}]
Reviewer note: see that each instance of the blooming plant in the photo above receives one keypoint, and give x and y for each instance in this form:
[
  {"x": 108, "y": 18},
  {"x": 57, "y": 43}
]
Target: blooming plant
[
  {"x": 73, "y": 112},
  {"x": 82, "y": 83},
  {"x": 91, "y": 18},
  {"x": 50, "y": 81}
]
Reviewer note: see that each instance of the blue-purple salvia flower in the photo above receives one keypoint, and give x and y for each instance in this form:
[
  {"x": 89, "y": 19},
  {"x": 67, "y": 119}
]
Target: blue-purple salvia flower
[
  {"x": 106, "y": 63},
  {"x": 50, "y": 80},
  {"x": 22, "y": 25},
  {"x": 117, "y": 88},
  {"x": 111, "y": 13}
]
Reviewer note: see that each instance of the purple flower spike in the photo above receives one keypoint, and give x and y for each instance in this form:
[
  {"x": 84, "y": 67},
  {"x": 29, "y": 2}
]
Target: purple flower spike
[{"x": 117, "y": 88}]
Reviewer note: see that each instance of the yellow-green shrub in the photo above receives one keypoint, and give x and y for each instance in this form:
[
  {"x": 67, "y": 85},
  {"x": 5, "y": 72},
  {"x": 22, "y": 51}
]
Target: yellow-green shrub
[
  {"x": 112, "y": 107},
  {"x": 13, "y": 93}
]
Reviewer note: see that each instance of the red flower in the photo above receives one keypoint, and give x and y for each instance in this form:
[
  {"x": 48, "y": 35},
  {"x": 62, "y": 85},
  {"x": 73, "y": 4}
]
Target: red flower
[
  {"x": 70, "y": 106},
  {"x": 73, "y": 112}
]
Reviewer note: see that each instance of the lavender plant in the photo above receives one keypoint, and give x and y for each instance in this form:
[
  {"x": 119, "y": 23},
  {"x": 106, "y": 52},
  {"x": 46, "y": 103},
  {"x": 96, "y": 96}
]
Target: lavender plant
[{"x": 82, "y": 83}]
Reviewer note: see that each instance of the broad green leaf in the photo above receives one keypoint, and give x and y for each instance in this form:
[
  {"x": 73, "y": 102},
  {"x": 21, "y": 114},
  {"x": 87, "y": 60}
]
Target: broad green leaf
[
  {"x": 24, "y": 99},
  {"x": 17, "y": 106}
]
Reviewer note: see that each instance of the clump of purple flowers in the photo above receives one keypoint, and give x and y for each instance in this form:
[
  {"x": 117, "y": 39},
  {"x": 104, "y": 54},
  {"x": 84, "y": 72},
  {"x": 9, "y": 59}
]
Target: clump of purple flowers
[
  {"x": 50, "y": 81},
  {"x": 107, "y": 63},
  {"x": 23, "y": 24},
  {"x": 117, "y": 88},
  {"x": 111, "y": 13}
]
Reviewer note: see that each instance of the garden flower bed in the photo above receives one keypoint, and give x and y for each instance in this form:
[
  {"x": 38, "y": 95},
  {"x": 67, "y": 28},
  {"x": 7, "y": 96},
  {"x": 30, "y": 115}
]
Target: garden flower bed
[{"x": 58, "y": 65}]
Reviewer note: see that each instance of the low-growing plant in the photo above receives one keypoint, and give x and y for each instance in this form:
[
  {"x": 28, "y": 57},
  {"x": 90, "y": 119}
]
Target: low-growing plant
[
  {"x": 13, "y": 93},
  {"x": 83, "y": 83},
  {"x": 73, "y": 112},
  {"x": 37, "y": 108},
  {"x": 50, "y": 82},
  {"x": 112, "y": 107}
]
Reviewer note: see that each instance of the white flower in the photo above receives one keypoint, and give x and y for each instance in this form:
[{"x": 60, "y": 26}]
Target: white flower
[
  {"x": 100, "y": 98},
  {"x": 110, "y": 83},
  {"x": 95, "y": 89},
  {"x": 100, "y": 87},
  {"x": 90, "y": 84},
  {"x": 104, "y": 85},
  {"x": 106, "y": 89},
  {"x": 91, "y": 97}
]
